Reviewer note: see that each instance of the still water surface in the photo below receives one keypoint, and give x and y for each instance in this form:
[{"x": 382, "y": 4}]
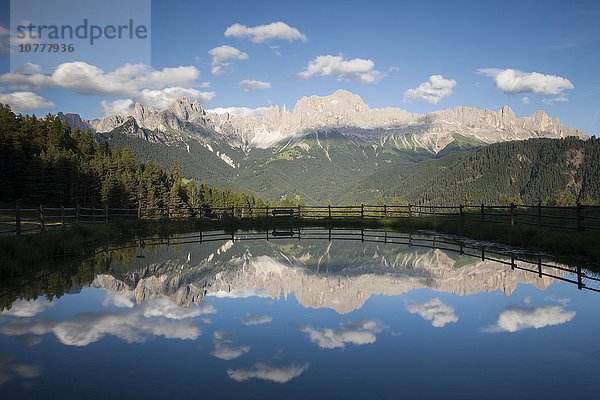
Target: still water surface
[{"x": 345, "y": 314}]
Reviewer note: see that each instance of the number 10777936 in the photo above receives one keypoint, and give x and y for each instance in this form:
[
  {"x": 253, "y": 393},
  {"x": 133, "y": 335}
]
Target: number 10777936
[{"x": 46, "y": 48}]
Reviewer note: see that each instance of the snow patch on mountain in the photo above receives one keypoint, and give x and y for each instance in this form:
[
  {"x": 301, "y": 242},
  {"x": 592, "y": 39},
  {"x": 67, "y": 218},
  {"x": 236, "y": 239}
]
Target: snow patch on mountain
[{"x": 227, "y": 159}]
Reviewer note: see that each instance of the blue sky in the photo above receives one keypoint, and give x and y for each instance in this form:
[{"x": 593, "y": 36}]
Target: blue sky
[{"x": 377, "y": 49}]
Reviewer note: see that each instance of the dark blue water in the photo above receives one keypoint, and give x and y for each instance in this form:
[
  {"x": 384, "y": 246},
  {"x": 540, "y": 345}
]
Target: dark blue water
[{"x": 304, "y": 317}]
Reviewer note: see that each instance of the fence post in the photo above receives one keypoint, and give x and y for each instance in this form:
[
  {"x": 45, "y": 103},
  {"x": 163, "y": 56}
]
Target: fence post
[
  {"x": 232, "y": 211},
  {"x": 409, "y": 211},
  {"x": 299, "y": 211},
  {"x": 462, "y": 213},
  {"x": 42, "y": 221},
  {"x": 539, "y": 213},
  {"x": 482, "y": 212},
  {"x": 512, "y": 213},
  {"x": 385, "y": 211},
  {"x": 77, "y": 214},
  {"x": 329, "y": 210},
  {"x": 93, "y": 213},
  {"x": 62, "y": 216},
  {"x": 18, "y": 219},
  {"x": 106, "y": 214},
  {"x": 362, "y": 210},
  {"x": 267, "y": 214},
  {"x": 579, "y": 217}
]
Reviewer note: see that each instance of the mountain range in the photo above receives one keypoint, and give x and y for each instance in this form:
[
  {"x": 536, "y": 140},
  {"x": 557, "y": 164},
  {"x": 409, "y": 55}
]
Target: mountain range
[
  {"x": 319, "y": 150},
  {"x": 337, "y": 275},
  {"x": 341, "y": 111}
]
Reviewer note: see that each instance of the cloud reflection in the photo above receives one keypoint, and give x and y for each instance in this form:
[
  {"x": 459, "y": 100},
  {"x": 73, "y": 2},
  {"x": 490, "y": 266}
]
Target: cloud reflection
[
  {"x": 515, "y": 319},
  {"x": 156, "y": 318},
  {"x": 358, "y": 333},
  {"x": 260, "y": 370},
  {"x": 28, "y": 308},
  {"x": 439, "y": 313},
  {"x": 224, "y": 349},
  {"x": 251, "y": 319},
  {"x": 10, "y": 370}
]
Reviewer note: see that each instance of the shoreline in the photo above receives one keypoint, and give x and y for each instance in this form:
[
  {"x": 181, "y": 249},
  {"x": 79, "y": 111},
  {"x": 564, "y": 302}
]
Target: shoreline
[{"x": 20, "y": 252}]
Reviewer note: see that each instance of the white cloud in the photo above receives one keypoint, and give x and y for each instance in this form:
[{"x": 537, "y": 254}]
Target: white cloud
[
  {"x": 434, "y": 310},
  {"x": 431, "y": 91},
  {"x": 161, "y": 98},
  {"x": 220, "y": 57},
  {"x": 561, "y": 98},
  {"x": 135, "y": 81},
  {"x": 31, "y": 37},
  {"x": 7, "y": 40},
  {"x": 21, "y": 101},
  {"x": 224, "y": 53},
  {"x": 525, "y": 100},
  {"x": 119, "y": 106},
  {"x": 155, "y": 318},
  {"x": 10, "y": 370},
  {"x": 240, "y": 111},
  {"x": 224, "y": 68},
  {"x": 28, "y": 68},
  {"x": 164, "y": 307},
  {"x": 224, "y": 349},
  {"x": 248, "y": 84},
  {"x": 515, "y": 81},
  {"x": 358, "y": 333},
  {"x": 226, "y": 352},
  {"x": 265, "y": 33},
  {"x": 28, "y": 308},
  {"x": 260, "y": 370},
  {"x": 518, "y": 318},
  {"x": 251, "y": 319},
  {"x": 357, "y": 70}
]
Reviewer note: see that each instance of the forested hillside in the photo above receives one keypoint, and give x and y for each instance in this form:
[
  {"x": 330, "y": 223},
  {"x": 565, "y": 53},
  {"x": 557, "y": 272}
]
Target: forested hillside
[
  {"x": 554, "y": 171},
  {"x": 317, "y": 170},
  {"x": 42, "y": 161}
]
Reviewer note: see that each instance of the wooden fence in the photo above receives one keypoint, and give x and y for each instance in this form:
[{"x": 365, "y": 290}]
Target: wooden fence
[
  {"x": 580, "y": 217},
  {"x": 530, "y": 263}
]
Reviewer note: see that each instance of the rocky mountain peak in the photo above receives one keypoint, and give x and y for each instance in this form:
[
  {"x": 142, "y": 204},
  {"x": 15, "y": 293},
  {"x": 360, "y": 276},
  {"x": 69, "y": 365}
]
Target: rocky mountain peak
[
  {"x": 340, "y": 101},
  {"x": 185, "y": 109},
  {"x": 507, "y": 113},
  {"x": 344, "y": 112}
]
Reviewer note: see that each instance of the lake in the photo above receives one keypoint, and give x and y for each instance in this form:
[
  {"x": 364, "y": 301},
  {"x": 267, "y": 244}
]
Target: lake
[{"x": 297, "y": 314}]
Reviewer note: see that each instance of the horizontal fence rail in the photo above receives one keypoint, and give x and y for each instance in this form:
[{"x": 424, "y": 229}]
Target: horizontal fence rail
[
  {"x": 580, "y": 217},
  {"x": 531, "y": 263},
  {"x": 528, "y": 263}
]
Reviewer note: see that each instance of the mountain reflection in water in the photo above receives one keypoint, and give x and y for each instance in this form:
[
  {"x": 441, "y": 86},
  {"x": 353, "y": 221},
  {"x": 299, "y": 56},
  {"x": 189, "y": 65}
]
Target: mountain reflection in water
[{"x": 296, "y": 314}]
